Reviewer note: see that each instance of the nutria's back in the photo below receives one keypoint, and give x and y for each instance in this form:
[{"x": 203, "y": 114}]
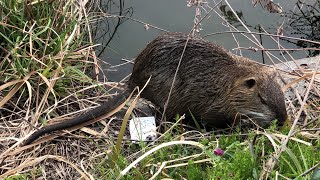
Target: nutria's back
[{"x": 215, "y": 85}]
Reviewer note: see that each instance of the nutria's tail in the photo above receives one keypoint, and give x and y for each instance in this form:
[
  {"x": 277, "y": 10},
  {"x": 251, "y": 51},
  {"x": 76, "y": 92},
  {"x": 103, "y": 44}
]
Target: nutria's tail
[{"x": 104, "y": 108}]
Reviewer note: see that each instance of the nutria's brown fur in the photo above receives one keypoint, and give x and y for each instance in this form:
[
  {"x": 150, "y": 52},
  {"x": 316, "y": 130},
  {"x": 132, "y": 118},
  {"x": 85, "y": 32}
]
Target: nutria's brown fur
[{"x": 215, "y": 85}]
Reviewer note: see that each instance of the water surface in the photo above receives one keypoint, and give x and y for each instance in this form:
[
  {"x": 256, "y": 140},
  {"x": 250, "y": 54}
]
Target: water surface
[{"x": 176, "y": 16}]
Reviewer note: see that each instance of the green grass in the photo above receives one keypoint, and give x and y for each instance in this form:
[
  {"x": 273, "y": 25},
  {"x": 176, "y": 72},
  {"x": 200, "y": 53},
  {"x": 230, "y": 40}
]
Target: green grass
[
  {"x": 244, "y": 158},
  {"x": 239, "y": 161}
]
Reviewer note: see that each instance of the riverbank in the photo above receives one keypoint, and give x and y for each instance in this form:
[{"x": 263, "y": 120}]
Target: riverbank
[{"x": 48, "y": 73}]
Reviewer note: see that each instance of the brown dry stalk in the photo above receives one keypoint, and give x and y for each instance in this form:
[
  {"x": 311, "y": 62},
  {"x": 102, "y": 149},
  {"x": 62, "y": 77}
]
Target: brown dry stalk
[{"x": 37, "y": 160}]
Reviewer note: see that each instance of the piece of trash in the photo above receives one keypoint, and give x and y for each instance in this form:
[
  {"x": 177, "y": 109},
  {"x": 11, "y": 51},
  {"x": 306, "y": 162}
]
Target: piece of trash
[{"x": 142, "y": 129}]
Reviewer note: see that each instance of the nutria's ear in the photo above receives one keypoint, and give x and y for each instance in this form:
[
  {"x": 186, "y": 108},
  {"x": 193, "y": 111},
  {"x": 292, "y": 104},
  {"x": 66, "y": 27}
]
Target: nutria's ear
[
  {"x": 272, "y": 72},
  {"x": 250, "y": 82}
]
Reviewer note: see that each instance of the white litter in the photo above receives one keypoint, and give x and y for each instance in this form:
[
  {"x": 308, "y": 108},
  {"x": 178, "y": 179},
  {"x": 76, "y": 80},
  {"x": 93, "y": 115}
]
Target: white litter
[{"x": 142, "y": 129}]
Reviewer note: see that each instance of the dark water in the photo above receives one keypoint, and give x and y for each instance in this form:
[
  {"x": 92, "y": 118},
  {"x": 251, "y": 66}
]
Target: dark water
[{"x": 175, "y": 16}]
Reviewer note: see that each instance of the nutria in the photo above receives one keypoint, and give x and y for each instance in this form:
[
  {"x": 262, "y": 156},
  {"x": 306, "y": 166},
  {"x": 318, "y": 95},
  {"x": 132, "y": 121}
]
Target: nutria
[{"x": 213, "y": 84}]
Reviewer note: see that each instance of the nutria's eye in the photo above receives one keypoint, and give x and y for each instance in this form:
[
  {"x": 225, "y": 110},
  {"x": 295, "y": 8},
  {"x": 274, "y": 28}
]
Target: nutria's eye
[{"x": 250, "y": 82}]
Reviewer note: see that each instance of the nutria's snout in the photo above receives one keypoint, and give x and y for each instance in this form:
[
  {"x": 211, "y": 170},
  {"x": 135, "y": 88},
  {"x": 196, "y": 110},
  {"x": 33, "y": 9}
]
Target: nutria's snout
[
  {"x": 280, "y": 123},
  {"x": 281, "y": 119},
  {"x": 281, "y": 112},
  {"x": 264, "y": 120}
]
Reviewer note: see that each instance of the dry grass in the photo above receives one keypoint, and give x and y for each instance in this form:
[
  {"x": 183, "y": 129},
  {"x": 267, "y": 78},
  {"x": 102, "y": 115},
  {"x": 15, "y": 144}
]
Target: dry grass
[{"x": 43, "y": 78}]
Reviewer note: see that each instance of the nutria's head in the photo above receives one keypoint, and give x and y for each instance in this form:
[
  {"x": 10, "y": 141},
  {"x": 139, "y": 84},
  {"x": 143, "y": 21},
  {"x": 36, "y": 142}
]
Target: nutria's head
[{"x": 256, "y": 95}]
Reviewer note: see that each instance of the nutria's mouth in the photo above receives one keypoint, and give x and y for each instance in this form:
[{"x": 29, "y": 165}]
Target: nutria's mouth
[{"x": 258, "y": 118}]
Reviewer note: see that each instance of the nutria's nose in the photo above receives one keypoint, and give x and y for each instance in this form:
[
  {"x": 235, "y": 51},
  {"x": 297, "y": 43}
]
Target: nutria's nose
[
  {"x": 281, "y": 118},
  {"x": 280, "y": 123}
]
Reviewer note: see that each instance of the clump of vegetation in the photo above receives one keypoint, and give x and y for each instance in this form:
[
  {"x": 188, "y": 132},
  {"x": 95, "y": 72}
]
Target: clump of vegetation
[
  {"x": 223, "y": 157},
  {"x": 44, "y": 57}
]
